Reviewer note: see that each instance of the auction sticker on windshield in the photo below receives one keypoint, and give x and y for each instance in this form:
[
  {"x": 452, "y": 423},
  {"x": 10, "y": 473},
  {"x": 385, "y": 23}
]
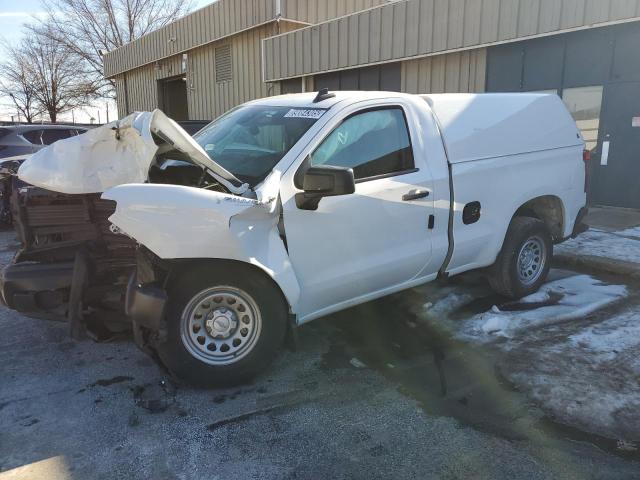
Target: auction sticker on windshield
[{"x": 314, "y": 113}]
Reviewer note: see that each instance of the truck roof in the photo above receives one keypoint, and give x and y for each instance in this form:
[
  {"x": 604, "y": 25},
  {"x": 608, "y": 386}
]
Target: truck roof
[
  {"x": 306, "y": 100},
  {"x": 479, "y": 126}
]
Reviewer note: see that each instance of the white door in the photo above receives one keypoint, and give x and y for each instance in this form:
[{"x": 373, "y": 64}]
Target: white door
[{"x": 360, "y": 245}]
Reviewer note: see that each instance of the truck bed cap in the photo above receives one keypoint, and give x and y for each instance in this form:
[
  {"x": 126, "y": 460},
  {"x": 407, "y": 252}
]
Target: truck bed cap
[{"x": 480, "y": 126}]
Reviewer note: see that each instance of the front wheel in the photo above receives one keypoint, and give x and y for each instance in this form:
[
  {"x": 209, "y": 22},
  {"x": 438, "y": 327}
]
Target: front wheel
[
  {"x": 226, "y": 323},
  {"x": 525, "y": 259}
]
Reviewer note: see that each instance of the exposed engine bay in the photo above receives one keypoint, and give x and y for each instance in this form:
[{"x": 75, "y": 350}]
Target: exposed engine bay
[{"x": 68, "y": 241}]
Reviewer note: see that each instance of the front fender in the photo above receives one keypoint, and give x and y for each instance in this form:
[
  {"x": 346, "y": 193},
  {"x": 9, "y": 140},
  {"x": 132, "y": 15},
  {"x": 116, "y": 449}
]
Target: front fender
[{"x": 177, "y": 222}]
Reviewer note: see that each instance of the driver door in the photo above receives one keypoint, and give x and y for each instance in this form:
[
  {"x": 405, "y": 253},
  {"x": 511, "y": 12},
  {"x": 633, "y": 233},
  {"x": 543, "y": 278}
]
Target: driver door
[{"x": 359, "y": 246}]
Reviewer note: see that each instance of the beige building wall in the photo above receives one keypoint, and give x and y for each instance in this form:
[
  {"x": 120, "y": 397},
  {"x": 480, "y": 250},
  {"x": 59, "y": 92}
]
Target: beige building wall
[
  {"x": 207, "y": 99},
  {"x": 415, "y": 28},
  {"x": 451, "y": 73},
  {"x": 316, "y": 11},
  {"x": 208, "y": 24}
]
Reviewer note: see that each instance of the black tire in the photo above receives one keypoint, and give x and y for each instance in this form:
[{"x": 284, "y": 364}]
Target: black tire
[
  {"x": 504, "y": 275},
  {"x": 272, "y": 307}
]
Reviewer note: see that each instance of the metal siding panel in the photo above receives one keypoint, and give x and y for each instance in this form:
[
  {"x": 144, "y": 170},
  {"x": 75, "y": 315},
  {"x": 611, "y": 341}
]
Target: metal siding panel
[
  {"x": 452, "y": 73},
  {"x": 410, "y": 76},
  {"x": 481, "y": 70},
  {"x": 267, "y": 47},
  {"x": 455, "y": 35},
  {"x": 465, "y": 71},
  {"x": 343, "y": 42},
  {"x": 508, "y": 27},
  {"x": 308, "y": 52},
  {"x": 438, "y": 74},
  {"x": 386, "y": 32},
  {"x": 353, "y": 46},
  {"x": 316, "y": 64},
  {"x": 412, "y": 28},
  {"x": 597, "y": 11},
  {"x": 490, "y": 21},
  {"x": 528, "y": 17},
  {"x": 235, "y": 89},
  {"x": 334, "y": 49},
  {"x": 424, "y": 75},
  {"x": 297, "y": 46},
  {"x": 322, "y": 12},
  {"x": 285, "y": 56},
  {"x": 375, "y": 28},
  {"x": 425, "y": 35},
  {"x": 472, "y": 16},
  {"x": 363, "y": 37},
  {"x": 331, "y": 9},
  {"x": 277, "y": 70},
  {"x": 572, "y": 13},
  {"x": 550, "y": 12},
  {"x": 621, "y": 9},
  {"x": 399, "y": 30},
  {"x": 440, "y": 19}
]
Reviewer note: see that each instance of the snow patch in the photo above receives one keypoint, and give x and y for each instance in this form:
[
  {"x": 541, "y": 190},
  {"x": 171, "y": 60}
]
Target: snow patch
[
  {"x": 623, "y": 245},
  {"x": 579, "y": 296}
]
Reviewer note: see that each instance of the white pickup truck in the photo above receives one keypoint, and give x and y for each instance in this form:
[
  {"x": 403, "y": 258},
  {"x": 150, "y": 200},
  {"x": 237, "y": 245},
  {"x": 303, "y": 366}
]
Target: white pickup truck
[{"x": 313, "y": 203}]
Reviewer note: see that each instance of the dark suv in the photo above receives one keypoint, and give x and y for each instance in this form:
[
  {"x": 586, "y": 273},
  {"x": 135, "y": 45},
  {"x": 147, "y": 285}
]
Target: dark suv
[{"x": 26, "y": 139}]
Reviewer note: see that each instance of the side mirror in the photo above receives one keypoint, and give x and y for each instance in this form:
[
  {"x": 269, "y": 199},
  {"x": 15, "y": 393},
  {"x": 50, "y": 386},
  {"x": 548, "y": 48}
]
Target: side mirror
[{"x": 325, "y": 181}]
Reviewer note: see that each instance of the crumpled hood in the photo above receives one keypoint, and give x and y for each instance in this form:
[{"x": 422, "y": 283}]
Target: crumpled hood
[{"x": 114, "y": 154}]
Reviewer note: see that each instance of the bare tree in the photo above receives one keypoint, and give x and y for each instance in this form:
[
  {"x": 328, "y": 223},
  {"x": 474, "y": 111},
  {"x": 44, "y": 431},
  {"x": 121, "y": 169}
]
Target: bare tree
[
  {"x": 17, "y": 83},
  {"x": 59, "y": 78},
  {"x": 90, "y": 27}
]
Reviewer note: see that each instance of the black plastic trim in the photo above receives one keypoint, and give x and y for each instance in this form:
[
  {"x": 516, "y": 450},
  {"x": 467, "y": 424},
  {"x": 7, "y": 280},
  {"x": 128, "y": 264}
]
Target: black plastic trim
[{"x": 387, "y": 175}]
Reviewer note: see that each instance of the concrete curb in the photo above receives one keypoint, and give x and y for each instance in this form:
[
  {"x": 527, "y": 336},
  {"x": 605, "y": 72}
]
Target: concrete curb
[{"x": 599, "y": 264}]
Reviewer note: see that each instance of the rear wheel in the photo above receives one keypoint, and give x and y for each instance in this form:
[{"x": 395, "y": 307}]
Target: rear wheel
[
  {"x": 225, "y": 324},
  {"x": 524, "y": 262}
]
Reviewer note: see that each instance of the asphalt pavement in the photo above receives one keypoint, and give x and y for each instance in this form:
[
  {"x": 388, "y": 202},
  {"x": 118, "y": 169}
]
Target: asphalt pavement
[{"x": 370, "y": 393}]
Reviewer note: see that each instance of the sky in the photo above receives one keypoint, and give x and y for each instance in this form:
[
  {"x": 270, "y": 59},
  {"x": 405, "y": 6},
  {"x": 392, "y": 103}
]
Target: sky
[{"x": 13, "y": 14}]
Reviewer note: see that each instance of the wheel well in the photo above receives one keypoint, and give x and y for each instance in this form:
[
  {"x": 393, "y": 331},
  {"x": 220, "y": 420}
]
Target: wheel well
[
  {"x": 548, "y": 209},
  {"x": 180, "y": 267}
]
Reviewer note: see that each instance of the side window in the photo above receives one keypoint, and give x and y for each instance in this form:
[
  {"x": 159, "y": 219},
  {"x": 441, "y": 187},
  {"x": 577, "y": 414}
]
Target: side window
[
  {"x": 53, "y": 135},
  {"x": 33, "y": 136},
  {"x": 372, "y": 143}
]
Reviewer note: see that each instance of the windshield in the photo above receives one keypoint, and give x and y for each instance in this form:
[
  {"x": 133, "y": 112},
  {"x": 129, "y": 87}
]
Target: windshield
[{"x": 249, "y": 141}]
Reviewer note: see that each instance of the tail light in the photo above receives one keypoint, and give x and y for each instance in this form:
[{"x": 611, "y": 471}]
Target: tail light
[{"x": 586, "y": 157}]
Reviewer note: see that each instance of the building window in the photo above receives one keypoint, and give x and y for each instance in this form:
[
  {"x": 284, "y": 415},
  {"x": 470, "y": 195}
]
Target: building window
[
  {"x": 585, "y": 104},
  {"x": 223, "y": 63}
]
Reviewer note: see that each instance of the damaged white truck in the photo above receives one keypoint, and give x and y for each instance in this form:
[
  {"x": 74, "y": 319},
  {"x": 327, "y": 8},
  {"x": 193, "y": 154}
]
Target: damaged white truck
[{"x": 290, "y": 208}]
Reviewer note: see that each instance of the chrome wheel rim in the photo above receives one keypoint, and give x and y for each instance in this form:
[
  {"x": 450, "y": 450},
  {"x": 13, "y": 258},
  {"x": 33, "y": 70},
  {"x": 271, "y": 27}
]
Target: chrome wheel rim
[
  {"x": 531, "y": 260},
  {"x": 220, "y": 325}
]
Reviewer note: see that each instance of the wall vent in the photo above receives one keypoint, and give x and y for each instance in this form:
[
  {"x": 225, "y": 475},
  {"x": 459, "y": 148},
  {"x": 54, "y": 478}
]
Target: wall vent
[{"x": 223, "y": 64}]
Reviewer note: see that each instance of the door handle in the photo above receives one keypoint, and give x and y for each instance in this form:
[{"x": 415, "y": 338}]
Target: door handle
[{"x": 415, "y": 195}]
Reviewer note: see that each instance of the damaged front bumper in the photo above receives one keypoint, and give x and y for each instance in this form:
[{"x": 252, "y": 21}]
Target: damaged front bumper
[
  {"x": 36, "y": 287},
  {"x": 145, "y": 305},
  {"x": 146, "y": 301}
]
